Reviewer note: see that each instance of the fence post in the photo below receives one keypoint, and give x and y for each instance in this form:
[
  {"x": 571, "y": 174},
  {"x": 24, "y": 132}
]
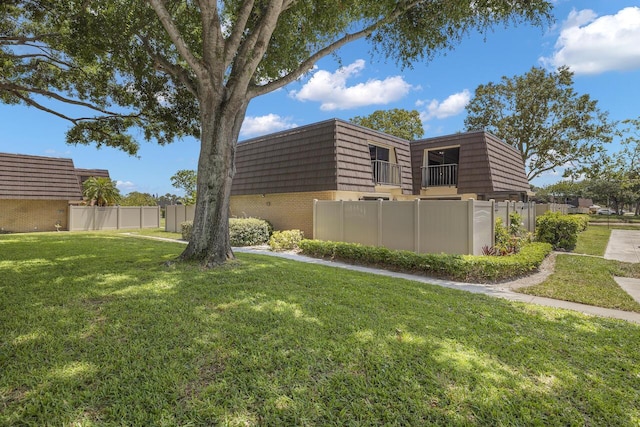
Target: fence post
[
  {"x": 379, "y": 243},
  {"x": 470, "y": 218},
  {"x": 70, "y": 219},
  {"x": 493, "y": 222},
  {"x": 315, "y": 219},
  {"x": 118, "y": 218},
  {"x": 342, "y": 220},
  {"x": 416, "y": 226}
]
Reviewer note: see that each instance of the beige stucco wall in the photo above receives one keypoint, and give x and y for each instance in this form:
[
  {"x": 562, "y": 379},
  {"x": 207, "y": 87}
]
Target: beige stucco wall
[
  {"x": 19, "y": 216},
  {"x": 446, "y": 192},
  {"x": 285, "y": 211}
]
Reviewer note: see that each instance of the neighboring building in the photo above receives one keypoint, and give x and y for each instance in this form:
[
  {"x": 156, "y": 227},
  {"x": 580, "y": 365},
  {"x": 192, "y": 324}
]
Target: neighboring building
[
  {"x": 35, "y": 191},
  {"x": 279, "y": 175},
  {"x": 473, "y": 165}
]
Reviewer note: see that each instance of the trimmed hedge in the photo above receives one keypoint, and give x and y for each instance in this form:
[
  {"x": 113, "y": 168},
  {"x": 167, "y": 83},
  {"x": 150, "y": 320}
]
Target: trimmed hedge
[
  {"x": 285, "y": 240},
  {"x": 249, "y": 231},
  {"x": 560, "y": 230},
  {"x": 242, "y": 231},
  {"x": 466, "y": 268},
  {"x": 186, "y": 228}
]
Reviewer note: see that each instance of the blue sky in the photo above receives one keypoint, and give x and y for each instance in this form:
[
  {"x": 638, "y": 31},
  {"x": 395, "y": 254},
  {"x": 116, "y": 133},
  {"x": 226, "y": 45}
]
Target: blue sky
[{"x": 598, "y": 39}]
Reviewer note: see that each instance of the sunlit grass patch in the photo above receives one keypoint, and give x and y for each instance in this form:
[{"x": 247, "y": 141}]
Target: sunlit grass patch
[
  {"x": 121, "y": 338},
  {"x": 587, "y": 280}
]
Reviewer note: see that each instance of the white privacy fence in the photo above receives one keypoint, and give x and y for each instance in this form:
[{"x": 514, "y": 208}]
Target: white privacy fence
[
  {"x": 85, "y": 218},
  {"x": 426, "y": 226}
]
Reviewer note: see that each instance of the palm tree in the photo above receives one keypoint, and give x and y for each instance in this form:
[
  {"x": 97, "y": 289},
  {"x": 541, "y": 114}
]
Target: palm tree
[{"x": 101, "y": 191}]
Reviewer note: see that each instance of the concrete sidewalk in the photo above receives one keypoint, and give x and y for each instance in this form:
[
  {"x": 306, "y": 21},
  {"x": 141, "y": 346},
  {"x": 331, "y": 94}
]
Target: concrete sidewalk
[{"x": 624, "y": 245}]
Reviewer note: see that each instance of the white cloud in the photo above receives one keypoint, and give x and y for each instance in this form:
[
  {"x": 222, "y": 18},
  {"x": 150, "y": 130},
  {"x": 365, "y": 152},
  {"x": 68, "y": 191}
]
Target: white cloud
[
  {"x": 452, "y": 106},
  {"x": 125, "y": 186},
  {"x": 331, "y": 90},
  {"x": 261, "y": 125},
  {"x": 592, "y": 45}
]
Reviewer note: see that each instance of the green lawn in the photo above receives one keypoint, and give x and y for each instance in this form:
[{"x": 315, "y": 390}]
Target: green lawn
[
  {"x": 593, "y": 241},
  {"x": 97, "y": 330},
  {"x": 589, "y": 279}
]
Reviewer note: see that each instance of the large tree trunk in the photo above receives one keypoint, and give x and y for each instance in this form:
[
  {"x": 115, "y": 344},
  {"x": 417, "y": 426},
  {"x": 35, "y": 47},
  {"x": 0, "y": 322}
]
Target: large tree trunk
[{"x": 221, "y": 123}]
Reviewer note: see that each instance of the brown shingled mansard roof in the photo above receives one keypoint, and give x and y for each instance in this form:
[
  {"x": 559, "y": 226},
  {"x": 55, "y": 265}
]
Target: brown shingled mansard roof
[
  {"x": 486, "y": 165},
  {"x": 42, "y": 178}
]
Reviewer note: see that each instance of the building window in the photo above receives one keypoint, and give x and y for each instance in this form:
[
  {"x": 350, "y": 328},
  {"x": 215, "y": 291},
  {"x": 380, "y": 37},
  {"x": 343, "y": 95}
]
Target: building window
[{"x": 384, "y": 168}]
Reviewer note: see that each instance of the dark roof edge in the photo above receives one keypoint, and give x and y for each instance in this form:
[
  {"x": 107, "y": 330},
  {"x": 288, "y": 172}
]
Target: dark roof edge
[
  {"x": 335, "y": 121},
  {"x": 452, "y": 136}
]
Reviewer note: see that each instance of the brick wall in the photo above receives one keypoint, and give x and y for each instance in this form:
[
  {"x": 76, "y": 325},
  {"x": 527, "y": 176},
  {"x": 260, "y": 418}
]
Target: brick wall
[
  {"x": 286, "y": 211},
  {"x": 21, "y": 216}
]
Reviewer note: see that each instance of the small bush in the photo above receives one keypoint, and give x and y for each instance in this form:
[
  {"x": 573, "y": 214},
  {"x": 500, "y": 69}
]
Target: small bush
[
  {"x": 458, "y": 267},
  {"x": 249, "y": 231},
  {"x": 186, "y": 228},
  {"x": 285, "y": 240},
  {"x": 582, "y": 220},
  {"x": 242, "y": 231},
  {"x": 561, "y": 231}
]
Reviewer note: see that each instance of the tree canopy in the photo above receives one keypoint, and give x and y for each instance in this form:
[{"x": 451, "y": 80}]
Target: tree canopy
[
  {"x": 186, "y": 180},
  {"x": 541, "y": 115},
  {"x": 173, "y": 68},
  {"x": 136, "y": 198},
  {"x": 398, "y": 122}
]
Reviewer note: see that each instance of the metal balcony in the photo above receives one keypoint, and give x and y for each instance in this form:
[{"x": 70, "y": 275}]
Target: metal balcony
[
  {"x": 440, "y": 176},
  {"x": 385, "y": 173}
]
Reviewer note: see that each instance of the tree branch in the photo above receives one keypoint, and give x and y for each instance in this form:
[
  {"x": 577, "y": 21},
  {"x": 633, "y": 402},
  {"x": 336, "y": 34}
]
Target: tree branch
[
  {"x": 73, "y": 120},
  {"x": 18, "y": 89},
  {"x": 212, "y": 39},
  {"x": 233, "y": 42},
  {"x": 307, "y": 65},
  {"x": 174, "y": 70},
  {"x": 177, "y": 39}
]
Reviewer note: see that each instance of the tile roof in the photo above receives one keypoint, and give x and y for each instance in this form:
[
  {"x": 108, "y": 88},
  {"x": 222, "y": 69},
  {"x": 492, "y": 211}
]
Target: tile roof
[{"x": 41, "y": 178}]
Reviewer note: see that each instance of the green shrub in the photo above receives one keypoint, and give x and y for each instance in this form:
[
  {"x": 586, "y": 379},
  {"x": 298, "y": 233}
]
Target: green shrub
[
  {"x": 582, "y": 220},
  {"x": 242, "y": 231},
  {"x": 560, "y": 230},
  {"x": 249, "y": 231},
  {"x": 468, "y": 268},
  {"x": 285, "y": 240},
  {"x": 186, "y": 228}
]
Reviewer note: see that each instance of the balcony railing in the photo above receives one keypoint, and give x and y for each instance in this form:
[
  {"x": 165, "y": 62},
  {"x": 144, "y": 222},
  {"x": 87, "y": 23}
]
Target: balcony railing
[
  {"x": 440, "y": 175},
  {"x": 385, "y": 173}
]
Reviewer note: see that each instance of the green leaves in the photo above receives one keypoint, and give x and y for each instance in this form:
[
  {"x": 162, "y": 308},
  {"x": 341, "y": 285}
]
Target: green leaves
[
  {"x": 398, "y": 122},
  {"x": 101, "y": 191},
  {"x": 186, "y": 179},
  {"x": 541, "y": 115}
]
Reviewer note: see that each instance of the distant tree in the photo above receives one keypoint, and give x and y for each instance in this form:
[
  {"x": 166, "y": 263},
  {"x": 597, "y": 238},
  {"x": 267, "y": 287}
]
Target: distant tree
[
  {"x": 101, "y": 191},
  {"x": 616, "y": 177},
  {"x": 542, "y": 116},
  {"x": 398, "y": 122},
  {"x": 171, "y": 68},
  {"x": 186, "y": 179},
  {"x": 167, "y": 199},
  {"x": 136, "y": 198},
  {"x": 561, "y": 192}
]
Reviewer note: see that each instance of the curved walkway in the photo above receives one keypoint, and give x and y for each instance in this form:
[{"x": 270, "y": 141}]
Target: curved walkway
[{"x": 499, "y": 290}]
